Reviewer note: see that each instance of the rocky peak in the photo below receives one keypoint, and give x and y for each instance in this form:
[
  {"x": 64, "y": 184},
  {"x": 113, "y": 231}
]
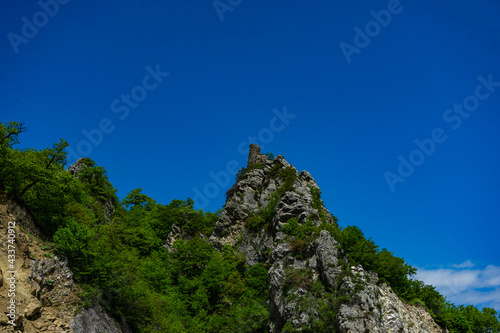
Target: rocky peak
[
  {"x": 254, "y": 156},
  {"x": 77, "y": 166},
  {"x": 80, "y": 170},
  {"x": 275, "y": 216},
  {"x": 265, "y": 196}
]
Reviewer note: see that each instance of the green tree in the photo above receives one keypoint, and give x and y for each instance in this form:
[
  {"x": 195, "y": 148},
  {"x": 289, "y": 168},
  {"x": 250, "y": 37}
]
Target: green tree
[
  {"x": 21, "y": 170},
  {"x": 136, "y": 198},
  {"x": 96, "y": 182},
  {"x": 72, "y": 241}
]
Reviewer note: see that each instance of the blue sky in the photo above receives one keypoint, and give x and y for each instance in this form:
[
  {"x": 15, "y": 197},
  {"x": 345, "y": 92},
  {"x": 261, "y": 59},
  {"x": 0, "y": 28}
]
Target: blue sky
[{"x": 392, "y": 106}]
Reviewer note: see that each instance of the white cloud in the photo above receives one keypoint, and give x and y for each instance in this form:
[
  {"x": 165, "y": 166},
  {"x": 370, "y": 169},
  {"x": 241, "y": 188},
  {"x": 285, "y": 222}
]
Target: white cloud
[
  {"x": 465, "y": 264},
  {"x": 461, "y": 284},
  {"x": 487, "y": 298},
  {"x": 491, "y": 276}
]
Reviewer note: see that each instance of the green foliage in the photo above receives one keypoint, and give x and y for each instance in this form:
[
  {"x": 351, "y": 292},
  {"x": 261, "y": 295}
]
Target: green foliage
[
  {"x": 121, "y": 264},
  {"x": 288, "y": 176},
  {"x": 136, "y": 198},
  {"x": 327, "y": 313},
  {"x": 391, "y": 269},
  {"x": 303, "y": 235},
  {"x": 72, "y": 241},
  {"x": 470, "y": 319},
  {"x": 269, "y": 155},
  {"x": 289, "y": 328},
  {"x": 318, "y": 204},
  {"x": 95, "y": 181},
  {"x": 182, "y": 213},
  {"x": 297, "y": 278},
  {"x": 256, "y": 222},
  {"x": 9, "y": 134},
  {"x": 398, "y": 274},
  {"x": 291, "y": 227},
  {"x": 258, "y": 280}
]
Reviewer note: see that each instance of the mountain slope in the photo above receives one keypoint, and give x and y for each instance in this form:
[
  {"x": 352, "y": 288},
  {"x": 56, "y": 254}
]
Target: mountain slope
[
  {"x": 275, "y": 216},
  {"x": 45, "y": 293},
  {"x": 273, "y": 260}
]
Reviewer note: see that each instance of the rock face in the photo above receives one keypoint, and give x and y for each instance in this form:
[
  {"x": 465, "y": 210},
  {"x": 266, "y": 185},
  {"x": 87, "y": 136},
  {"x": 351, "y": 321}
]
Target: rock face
[
  {"x": 51, "y": 280},
  {"x": 77, "y": 166},
  {"x": 94, "y": 320},
  {"x": 174, "y": 234},
  {"x": 266, "y": 203},
  {"x": 45, "y": 294}
]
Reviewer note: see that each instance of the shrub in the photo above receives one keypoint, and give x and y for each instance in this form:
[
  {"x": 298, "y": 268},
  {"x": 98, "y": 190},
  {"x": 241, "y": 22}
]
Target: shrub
[
  {"x": 300, "y": 246},
  {"x": 297, "y": 278},
  {"x": 72, "y": 241},
  {"x": 270, "y": 156},
  {"x": 256, "y": 222},
  {"x": 258, "y": 280},
  {"x": 290, "y": 228}
]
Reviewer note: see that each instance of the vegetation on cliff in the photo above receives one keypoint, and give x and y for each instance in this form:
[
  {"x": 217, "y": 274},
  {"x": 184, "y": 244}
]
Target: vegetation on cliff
[{"x": 116, "y": 251}]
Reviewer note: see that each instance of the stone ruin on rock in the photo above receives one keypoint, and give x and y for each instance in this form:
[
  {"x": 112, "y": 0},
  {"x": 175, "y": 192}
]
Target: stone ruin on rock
[{"x": 317, "y": 267}]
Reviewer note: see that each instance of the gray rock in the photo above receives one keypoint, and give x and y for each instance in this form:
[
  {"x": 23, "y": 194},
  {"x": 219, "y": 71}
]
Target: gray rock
[
  {"x": 51, "y": 279},
  {"x": 377, "y": 308},
  {"x": 94, "y": 320},
  {"x": 372, "y": 307},
  {"x": 76, "y": 167},
  {"x": 174, "y": 234},
  {"x": 327, "y": 256}
]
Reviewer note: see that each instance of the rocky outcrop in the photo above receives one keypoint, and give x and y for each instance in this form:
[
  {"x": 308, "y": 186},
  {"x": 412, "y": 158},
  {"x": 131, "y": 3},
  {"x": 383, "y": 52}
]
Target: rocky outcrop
[
  {"x": 77, "y": 166},
  {"x": 376, "y": 308},
  {"x": 18, "y": 211},
  {"x": 309, "y": 274},
  {"x": 174, "y": 234},
  {"x": 94, "y": 320},
  {"x": 51, "y": 280},
  {"x": 46, "y": 296},
  {"x": 106, "y": 206}
]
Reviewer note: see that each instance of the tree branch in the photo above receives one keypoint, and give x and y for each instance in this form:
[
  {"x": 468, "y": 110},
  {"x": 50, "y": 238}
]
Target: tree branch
[
  {"x": 20, "y": 128},
  {"x": 28, "y": 187}
]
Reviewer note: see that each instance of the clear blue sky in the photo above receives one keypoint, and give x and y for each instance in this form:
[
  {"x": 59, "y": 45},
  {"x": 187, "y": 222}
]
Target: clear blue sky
[{"x": 171, "y": 91}]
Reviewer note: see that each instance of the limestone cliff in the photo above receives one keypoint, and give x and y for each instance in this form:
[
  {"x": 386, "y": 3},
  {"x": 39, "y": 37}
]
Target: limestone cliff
[
  {"x": 269, "y": 199},
  {"x": 42, "y": 287}
]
